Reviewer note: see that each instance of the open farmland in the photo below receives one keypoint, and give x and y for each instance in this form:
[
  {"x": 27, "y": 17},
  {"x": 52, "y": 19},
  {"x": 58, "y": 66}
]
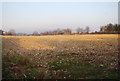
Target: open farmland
[{"x": 60, "y": 57}]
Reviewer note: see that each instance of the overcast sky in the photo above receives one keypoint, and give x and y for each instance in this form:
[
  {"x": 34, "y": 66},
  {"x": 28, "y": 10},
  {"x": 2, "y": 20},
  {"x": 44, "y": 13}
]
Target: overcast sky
[{"x": 27, "y": 17}]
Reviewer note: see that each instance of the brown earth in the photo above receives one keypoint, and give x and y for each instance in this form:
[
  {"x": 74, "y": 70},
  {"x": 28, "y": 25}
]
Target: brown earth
[{"x": 100, "y": 50}]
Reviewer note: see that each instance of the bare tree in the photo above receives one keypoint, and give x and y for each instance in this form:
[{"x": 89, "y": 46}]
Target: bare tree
[
  {"x": 35, "y": 33},
  {"x": 81, "y": 30},
  {"x": 58, "y": 32},
  {"x": 67, "y": 31},
  {"x": 87, "y": 29},
  {"x": 78, "y": 30},
  {"x": 11, "y": 32}
]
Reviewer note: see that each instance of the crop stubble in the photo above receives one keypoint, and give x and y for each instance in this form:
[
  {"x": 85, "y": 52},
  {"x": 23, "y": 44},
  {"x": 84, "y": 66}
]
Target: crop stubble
[{"x": 99, "y": 50}]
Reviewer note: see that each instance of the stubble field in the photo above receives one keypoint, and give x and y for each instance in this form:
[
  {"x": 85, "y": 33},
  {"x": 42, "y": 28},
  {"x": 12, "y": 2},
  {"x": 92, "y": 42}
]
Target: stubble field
[{"x": 60, "y": 57}]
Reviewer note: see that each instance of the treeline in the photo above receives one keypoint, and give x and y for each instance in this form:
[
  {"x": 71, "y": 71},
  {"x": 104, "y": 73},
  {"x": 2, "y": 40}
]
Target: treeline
[
  {"x": 107, "y": 29},
  {"x": 55, "y": 32},
  {"x": 63, "y": 31},
  {"x": 110, "y": 29}
]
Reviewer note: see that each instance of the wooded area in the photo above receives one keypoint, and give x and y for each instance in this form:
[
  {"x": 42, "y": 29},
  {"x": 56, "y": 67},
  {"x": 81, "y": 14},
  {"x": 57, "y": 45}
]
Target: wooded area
[{"x": 107, "y": 29}]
